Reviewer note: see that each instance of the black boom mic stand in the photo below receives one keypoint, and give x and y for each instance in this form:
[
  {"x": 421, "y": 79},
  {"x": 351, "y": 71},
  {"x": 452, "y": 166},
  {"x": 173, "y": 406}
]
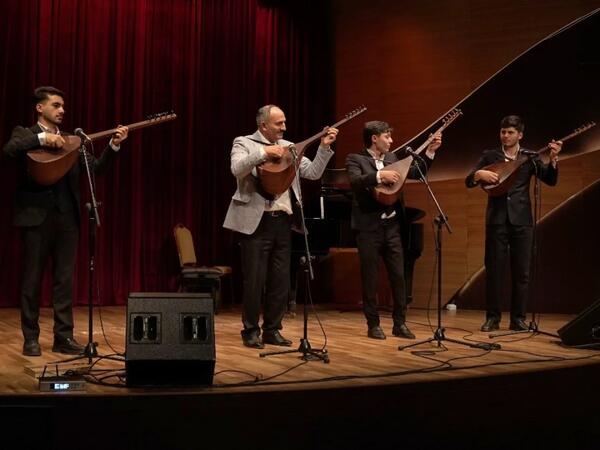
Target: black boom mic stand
[
  {"x": 440, "y": 221},
  {"x": 533, "y": 325},
  {"x": 307, "y": 352},
  {"x": 94, "y": 222},
  {"x": 90, "y": 351}
]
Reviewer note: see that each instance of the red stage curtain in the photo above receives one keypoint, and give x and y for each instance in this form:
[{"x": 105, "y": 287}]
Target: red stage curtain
[{"x": 212, "y": 62}]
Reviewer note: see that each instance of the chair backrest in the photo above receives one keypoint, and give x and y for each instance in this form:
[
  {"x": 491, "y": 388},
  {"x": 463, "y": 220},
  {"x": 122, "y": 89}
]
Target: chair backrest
[{"x": 185, "y": 245}]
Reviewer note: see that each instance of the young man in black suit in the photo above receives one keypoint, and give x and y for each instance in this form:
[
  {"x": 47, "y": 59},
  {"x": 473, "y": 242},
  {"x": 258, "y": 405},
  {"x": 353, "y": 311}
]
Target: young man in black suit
[
  {"x": 509, "y": 222},
  {"x": 49, "y": 220},
  {"x": 378, "y": 226}
]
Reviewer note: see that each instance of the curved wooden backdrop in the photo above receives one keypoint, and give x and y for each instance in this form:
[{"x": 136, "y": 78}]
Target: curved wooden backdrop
[
  {"x": 410, "y": 62},
  {"x": 568, "y": 269}
]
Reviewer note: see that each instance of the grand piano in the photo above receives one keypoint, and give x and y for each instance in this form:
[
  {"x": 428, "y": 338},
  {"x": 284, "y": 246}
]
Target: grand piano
[{"x": 329, "y": 234}]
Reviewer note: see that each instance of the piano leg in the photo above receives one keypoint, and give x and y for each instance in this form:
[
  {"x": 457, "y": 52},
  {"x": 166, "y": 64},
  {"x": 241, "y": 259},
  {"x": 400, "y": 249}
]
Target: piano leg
[
  {"x": 412, "y": 242},
  {"x": 409, "y": 268},
  {"x": 295, "y": 273}
]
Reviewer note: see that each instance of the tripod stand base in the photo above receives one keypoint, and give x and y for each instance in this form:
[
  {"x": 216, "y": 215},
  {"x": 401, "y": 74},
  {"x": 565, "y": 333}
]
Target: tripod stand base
[
  {"x": 90, "y": 350},
  {"x": 308, "y": 354},
  {"x": 439, "y": 336},
  {"x": 533, "y": 328}
]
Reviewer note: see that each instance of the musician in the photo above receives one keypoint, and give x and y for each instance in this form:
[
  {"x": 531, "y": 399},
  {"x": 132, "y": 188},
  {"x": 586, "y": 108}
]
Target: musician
[
  {"x": 508, "y": 233},
  {"x": 378, "y": 226},
  {"x": 264, "y": 226},
  {"x": 49, "y": 220}
]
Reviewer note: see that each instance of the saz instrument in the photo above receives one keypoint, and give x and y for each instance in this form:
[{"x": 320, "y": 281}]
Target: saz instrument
[
  {"x": 48, "y": 165},
  {"x": 507, "y": 170},
  {"x": 276, "y": 176},
  {"x": 387, "y": 194}
]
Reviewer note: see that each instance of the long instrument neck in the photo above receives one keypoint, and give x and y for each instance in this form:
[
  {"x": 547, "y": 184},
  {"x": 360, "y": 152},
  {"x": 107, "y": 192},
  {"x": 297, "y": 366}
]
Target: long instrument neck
[
  {"x": 133, "y": 126},
  {"x": 300, "y": 146},
  {"x": 447, "y": 121},
  {"x": 563, "y": 139},
  {"x": 431, "y": 137}
]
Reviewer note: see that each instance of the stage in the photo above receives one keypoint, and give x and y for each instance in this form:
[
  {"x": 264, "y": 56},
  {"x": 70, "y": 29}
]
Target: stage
[{"x": 532, "y": 390}]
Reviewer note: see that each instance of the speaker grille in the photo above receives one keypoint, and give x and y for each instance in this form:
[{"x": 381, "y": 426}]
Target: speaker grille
[{"x": 170, "y": 339}]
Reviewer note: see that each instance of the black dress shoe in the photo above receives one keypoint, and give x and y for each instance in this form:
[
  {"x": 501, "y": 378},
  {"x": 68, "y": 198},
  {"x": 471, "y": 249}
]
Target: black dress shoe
[
  {"x": 518, "y": 325},
  {"x": 376, "y": 332},
  {"x": 31, "y": 347},
  {"x": 252, "y": 340},
  {"x": 402, "y": 331},
  {"x": 490, "y": 325},
  {"x": 275, "y": 338},
  {"x": 68, "y": 346}
]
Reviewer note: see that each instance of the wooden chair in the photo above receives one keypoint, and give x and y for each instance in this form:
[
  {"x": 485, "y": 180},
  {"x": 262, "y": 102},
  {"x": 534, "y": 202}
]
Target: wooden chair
[{"x": 194, "y": 278}]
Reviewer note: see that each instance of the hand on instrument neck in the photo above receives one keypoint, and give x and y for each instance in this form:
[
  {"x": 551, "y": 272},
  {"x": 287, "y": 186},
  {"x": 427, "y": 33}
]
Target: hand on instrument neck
[{"x": 330, "y": 136}]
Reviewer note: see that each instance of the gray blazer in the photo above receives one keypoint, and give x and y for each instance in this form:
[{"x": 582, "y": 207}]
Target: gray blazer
[{"x": 247, "y": 205}]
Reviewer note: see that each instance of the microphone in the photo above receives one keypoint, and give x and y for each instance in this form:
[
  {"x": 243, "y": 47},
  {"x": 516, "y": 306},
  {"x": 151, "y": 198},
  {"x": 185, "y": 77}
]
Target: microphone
[
  {"x": 414, "y": 154},
  {"x": 528, "y": 152},
  {"x": 416, "y": 157},
  {"x": 410, "y": 151},
  {"x": 84, "y": 137}
]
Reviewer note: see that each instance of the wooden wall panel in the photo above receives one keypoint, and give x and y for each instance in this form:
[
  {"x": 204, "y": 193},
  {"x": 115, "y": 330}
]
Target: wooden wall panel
[
  {"x": 463, "y": 251},
  {"x": 409, "y": 62}
]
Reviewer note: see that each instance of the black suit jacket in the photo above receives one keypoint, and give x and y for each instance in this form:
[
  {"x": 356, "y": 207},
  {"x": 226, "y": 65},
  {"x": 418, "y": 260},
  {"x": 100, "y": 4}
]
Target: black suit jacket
[
  {"x": 515, "y": 205},
  {"x": 362, "y": 171},
  {"x": 33, "y": 201}
]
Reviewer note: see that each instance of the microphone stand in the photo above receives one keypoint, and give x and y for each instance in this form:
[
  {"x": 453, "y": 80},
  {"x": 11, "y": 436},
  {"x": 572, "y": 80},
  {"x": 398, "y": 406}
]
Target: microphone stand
[
  {"x": 533, "y": 325},
  {"x": 90, "y": 351},
  {"x": 308, "y": 353},
  {"x": 440, "y": 221},
  {"x": 94, "y": 222}
]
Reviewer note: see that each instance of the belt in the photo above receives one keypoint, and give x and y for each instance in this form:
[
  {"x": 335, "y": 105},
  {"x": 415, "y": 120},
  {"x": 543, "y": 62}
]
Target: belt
[{"x": 277, "y": 213}]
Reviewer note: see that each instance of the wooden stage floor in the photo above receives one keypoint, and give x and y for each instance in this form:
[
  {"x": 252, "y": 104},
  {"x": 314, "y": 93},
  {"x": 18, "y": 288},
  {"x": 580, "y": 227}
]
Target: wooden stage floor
[
  {"x": 532, "y": 393},
  {"x": 355, "y": 359}
]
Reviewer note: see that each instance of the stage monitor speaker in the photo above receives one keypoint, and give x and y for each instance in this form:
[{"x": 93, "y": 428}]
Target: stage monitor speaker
[
  {"x": 583, "y": 329},
  {"x": 170, "y": 339}
]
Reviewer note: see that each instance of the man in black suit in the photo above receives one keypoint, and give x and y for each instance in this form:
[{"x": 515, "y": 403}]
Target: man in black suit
[
  {"x": 509, "y": 222},
  {"x": 49, "y": 221},
  {"x": 378, "y": 226}
]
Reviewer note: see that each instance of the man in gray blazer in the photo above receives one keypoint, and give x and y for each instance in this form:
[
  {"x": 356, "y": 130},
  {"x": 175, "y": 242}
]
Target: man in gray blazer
[{"x": 265, "y": 225}]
